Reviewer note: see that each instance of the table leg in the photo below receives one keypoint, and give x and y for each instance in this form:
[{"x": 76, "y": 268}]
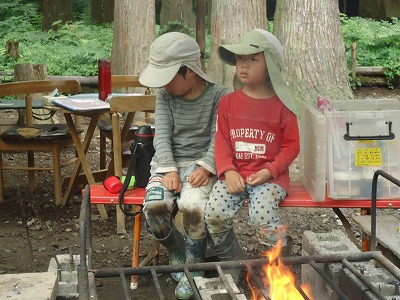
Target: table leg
[
  {"x": 81, "y": 150},
  {"x": 365, "y": 239}
]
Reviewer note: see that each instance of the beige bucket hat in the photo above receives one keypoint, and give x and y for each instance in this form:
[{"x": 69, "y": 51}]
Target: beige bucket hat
[{"x": 168, "y": 53}]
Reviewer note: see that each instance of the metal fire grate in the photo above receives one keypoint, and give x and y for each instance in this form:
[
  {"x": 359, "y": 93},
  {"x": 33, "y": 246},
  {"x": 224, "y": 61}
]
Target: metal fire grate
[
  {"x": 87, "y": 287},
  {"x": 87, "y": 275}
]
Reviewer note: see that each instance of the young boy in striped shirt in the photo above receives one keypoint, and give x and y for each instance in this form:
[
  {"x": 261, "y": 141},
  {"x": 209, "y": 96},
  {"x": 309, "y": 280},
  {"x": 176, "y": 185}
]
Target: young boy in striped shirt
[{"x": 183, "y": 168}]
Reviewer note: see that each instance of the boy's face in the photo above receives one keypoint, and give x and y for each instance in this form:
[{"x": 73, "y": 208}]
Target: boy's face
[
  {"x": 252, "y": 69},
  {"x": 181, "y": 85}
]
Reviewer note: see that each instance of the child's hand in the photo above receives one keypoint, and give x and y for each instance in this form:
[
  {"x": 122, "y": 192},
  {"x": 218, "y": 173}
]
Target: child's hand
[
  {"x": 258, "y": 178},
  {"x": 172, "y": 182},
  {"x": 199, "y": 177},
  {"x": 234, "y": 182}
]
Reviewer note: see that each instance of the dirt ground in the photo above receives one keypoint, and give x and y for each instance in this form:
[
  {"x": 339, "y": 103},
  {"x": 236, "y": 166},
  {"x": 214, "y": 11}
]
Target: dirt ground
[{"x": 33, "y": 229}]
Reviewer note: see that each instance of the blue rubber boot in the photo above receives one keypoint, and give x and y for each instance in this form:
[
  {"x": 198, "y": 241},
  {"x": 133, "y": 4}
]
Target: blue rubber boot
[
  {"x": 195, "y": 253},
  {"x": 175, "y": 245}
]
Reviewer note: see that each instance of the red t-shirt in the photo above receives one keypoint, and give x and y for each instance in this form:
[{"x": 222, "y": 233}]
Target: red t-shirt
[{"x": 254, "y": 134}]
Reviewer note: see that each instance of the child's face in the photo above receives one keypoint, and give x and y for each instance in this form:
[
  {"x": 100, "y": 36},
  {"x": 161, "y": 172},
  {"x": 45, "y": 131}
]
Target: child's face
[
  {"x": 252, "y": 69},
  {"x": 181, "y": 85}
]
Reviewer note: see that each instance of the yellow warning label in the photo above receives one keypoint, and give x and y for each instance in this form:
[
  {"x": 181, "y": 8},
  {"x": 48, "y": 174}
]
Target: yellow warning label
[{"x": 368, "y": 157}]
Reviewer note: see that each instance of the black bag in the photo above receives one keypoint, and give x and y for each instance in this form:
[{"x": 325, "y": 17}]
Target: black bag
[{"x": 142, "y": 152}]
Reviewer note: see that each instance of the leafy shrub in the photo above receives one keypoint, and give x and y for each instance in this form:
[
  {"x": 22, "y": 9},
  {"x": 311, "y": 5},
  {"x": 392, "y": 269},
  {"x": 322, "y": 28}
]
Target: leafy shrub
[
  {"x": 71, "y": 50},
  {"x": 378, "y": 43}
]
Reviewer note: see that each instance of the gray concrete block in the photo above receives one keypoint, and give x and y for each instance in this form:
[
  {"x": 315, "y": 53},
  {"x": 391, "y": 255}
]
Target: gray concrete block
[
  {"x": 382, "y": 280},
  {"x": 214, "y": 289},
  {"x": 334, "y": 242},
  {"x": 67, "y": 262},
  {"x": 66, "y": 267},
  {"x": 33, "y": 286},
  {"x": 327, "y": 243}
]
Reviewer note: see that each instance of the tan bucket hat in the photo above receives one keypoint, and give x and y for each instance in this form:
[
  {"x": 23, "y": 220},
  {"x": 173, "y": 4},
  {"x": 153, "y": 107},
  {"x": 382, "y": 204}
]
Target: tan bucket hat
[{"x": 168, "y": 53}]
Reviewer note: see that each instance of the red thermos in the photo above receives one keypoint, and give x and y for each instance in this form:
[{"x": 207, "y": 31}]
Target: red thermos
[{"x": 104, "y": 78}]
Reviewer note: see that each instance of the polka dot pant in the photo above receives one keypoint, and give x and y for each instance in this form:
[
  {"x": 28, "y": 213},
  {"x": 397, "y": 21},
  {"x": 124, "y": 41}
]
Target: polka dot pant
[{"x": 223, "y": 207}]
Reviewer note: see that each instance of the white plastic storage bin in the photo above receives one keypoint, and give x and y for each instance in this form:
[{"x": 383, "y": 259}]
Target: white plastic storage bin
[
  {"x": 363, "y": 136},
  {"x": 313, "y": 151}
]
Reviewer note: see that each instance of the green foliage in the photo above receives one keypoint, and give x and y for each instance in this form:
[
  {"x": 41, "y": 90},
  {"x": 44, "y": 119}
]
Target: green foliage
[
  {"x": 378, "y": 43},
  {"x": 71, "y": 50},
  {"x": 81, "y": 9},
  {"x": 15, "y": 8},
  {"x": 75, "y": 47}
]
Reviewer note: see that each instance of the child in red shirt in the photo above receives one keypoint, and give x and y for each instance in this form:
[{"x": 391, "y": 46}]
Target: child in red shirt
[{"x": 257, "y": 139}]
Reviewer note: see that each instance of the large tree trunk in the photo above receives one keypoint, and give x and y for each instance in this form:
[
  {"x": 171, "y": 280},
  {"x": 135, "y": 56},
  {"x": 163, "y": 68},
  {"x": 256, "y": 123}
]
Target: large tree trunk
[
  {"x": 133, "y": 33},
  {"x": 25, "y": 72},
  {"x": 109, "y": 10},
  {"x": 55, "y": 10},
  {"x": 178, "y": 10},
  {"x": 314, "y": 62},
  {"x": 96, "y": 11},
  {"x": 229, "y": 20},
  {"x": 379, "y": 9}
]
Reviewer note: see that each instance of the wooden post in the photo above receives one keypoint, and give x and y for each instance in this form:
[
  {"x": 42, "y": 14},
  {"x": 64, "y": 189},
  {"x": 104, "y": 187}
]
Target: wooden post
[
  {"x": 365, "y": 239},
  {"x": 12, "y": 49},
  {"x": 354, "y": 64}
]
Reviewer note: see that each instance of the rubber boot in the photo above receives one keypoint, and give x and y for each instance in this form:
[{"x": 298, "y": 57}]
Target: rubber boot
[
  {"x": 195, "y": 253},
  {"x": 175, "y": 245},
  {"x": 229, "y": 250}
]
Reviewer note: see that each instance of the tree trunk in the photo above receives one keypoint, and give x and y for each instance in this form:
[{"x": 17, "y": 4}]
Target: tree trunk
[
  {"x": 12, "y": 49},
  {"x": 201, "y": 27},
  {"x": 25, "y": 72},
  {"x": 392, "y": 8},
  {"x": 130, "y": 47},
  {"x": 230, "y": 19},
  {"x": 109, "y": 10},
  {"x": 314, "y": 62},
  {"x": 178, "y": 10},
  {"x": 55, "y": 10},
  {"x": 96, "y": 11},
  {"x": 379, "y": 9}
]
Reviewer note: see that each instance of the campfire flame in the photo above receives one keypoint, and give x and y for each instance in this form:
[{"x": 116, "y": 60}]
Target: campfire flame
[{"x": 279, "y": 279}]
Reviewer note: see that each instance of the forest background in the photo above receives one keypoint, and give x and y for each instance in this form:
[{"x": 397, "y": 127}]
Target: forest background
[{"x": 74, "y": 48}]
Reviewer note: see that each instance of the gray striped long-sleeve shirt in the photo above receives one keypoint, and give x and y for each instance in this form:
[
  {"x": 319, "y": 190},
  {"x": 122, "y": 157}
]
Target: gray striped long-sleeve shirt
[{"x": 185, "y": 130}]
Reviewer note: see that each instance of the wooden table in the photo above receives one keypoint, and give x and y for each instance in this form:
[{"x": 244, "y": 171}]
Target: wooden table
[{"x": 81, "y": 147}]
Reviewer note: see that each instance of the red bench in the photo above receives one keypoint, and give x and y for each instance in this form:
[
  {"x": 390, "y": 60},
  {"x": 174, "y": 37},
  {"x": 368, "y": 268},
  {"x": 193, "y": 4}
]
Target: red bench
[{"x": 299, "y": 197}]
